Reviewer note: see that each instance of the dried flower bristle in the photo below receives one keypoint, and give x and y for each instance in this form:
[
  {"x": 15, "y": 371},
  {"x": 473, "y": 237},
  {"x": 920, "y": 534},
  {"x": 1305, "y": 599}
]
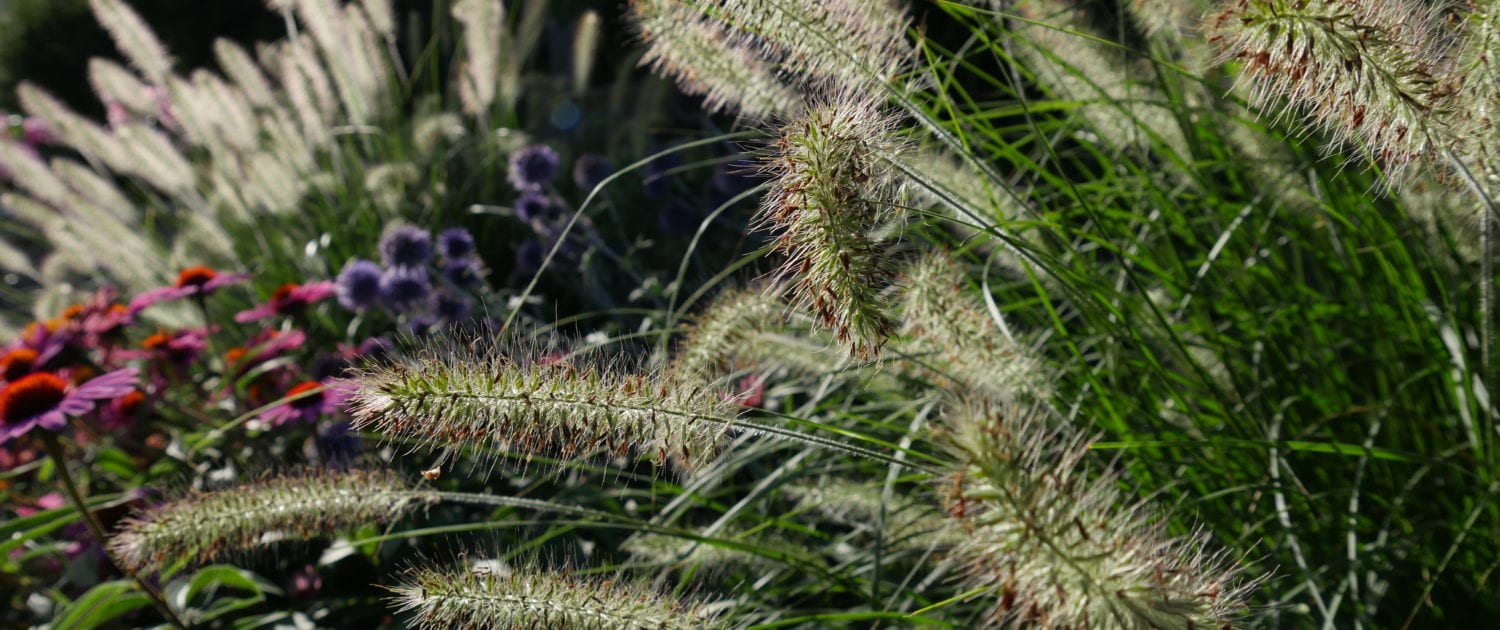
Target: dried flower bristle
[
  {"x": 201, "y": 526},
  {"x": 685, "y": 44},
  {"x": 533, "y": 598}
]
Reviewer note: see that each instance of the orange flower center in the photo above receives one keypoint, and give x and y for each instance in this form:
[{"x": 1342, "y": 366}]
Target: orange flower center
[
  {"x": 31, "y": 395},
  {"x": 283, "y": 291},
  {"x": 234, "y": 355},
  {"x": 308, "y": 402},
  {"x": 72, "y": 312},
  {"x": 157, "y": 341},
  {"x": 130, "y": 402},
  {"x": 195, "y": 276},
  {"x": 18, "y": 363}
]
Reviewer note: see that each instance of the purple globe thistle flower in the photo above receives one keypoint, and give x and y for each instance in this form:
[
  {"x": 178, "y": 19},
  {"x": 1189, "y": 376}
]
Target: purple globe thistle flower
[
  {"x": 529, "y": 257},
  {"x": 455, "y": 243},
  {"x": 404, "y": 288},
  {"x": 405, "y": 245},
  {"x": 358, "y": 285},
  {"x": 464, "y": 272},
  {"x": 422, "y": 325},
  {"x": 590, "y": 169},
  {"x": 533, "y": 167},
  {"x": 534, "y": 206},
  {"x": 451, "y": 306}
]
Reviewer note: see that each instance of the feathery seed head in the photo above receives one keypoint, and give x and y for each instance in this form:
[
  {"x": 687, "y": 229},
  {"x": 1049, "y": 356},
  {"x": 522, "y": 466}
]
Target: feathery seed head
[
  {"x": 1059, "y": 549},
  {"x": 528, "y": 597},
  {"x": 832, "y": 186},
  {"x": 681, "y": 42},
  {"x": 1361, "y": 70},
  {"x": 202, "y": 526},
  {"x": 470, "y": 394}
]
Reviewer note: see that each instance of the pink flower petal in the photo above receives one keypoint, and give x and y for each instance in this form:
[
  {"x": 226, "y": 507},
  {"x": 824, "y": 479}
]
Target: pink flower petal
[
  {"x": 225, "y": 279},
  {"x": 73, "y": 405},
  {"x": 112, "y": 385},
  {"x": 314, "y": 292},
  {"x": 260, "y": 312},
  {"x": 153, "y": 296},
  {"x": 52, "y": 420}
]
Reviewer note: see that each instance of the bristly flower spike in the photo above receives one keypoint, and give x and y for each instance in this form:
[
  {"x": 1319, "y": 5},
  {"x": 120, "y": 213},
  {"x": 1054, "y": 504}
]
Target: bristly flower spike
[
  {"x": 462, "y": 396},
  {"x": 683, "y": 43},
  {"x": 202, "y": 526},
  {"x": 528, "y": 597},
  {"x": 832, "y": 187},
  {"x": 1361, "y": 70}
]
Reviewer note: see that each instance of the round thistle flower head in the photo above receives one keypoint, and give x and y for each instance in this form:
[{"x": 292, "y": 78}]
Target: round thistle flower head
[
  {"x": 533, "y": 167},
  {"x": 529, "y": 257},
  {"x": 403, "y": 289},
  {"x": 590, "y": 169},
  {"x": 358, "y": 285},
  {"x": 463, "y": 273},
  {"x": 455, "y": 243},
  {"x": 534, "y": 206},
  {"x": 450, "y": 306},
  {"x": 405, "y": 245}
]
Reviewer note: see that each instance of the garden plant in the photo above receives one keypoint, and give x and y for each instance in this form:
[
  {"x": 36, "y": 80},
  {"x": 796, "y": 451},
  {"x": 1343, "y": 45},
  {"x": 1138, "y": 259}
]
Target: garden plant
[{"x": 760, "y": 314}]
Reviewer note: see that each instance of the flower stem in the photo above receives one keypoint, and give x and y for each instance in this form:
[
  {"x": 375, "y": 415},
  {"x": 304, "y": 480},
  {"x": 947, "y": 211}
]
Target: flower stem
[{"x": 90, "y": 519}]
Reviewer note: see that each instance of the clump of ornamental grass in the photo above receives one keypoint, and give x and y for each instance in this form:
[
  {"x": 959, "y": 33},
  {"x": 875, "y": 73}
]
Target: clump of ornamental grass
[
  {"x": 1057, "y": 548},
  {"x": 971, "y": 349},
  {"x": 530, "y": 597},
  {"x": 832, "y": 187},
  {"x": 866, "y": 506},
  {"x": 200, "y": 526},
  {"x": 454, "y": 395},
  {"x": 683, "y": 43},
  {"x": 676, "y": 552},
  {"x": 1363, "y": 71}
]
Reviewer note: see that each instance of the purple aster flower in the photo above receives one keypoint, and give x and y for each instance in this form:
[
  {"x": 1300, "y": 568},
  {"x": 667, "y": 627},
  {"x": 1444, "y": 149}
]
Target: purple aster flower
[
  {"x": 193, "y": 281},
  {"x": 451, "y": 306},
  {"x": 533, "y": 167},
  {"x": 403, "y": 289},
  {"x": 535, "y": 207},
  {"x": 404, "y": 245},
  {"x": 358, "y": 285},
  {"x": 590, "y": 169},
  {"x": 463, "y": 273},
  {"x": 288, "y": 299},
  {"x": 455, "y": 243},
  {"x": 45, "y": 400}
]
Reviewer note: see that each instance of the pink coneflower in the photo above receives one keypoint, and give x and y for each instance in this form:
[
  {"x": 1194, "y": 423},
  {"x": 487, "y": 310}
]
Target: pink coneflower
[
  {"x": 264, "y": 346},
  {"x": 289, "y": 298},
  {"x": 121, "y": 412},
  {"x": 44, "y": 399},
  {"x": 306, "y": 409},
  {"x": 192, "y": 281},
  {"x": 38, "y": 345}
]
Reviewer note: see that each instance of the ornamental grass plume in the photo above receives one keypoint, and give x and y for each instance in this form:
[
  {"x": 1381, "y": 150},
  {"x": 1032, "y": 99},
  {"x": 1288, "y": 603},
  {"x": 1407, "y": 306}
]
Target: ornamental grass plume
[
  {"x": 1057, "y": 548},
  {"x": 833, "y": 186},
  {"x": 529, "y": 597},
  {"x": 683, "y": 43},
  {"x": 452, "y": 395},
  {"x": 200, "y": 526},
  {"x": 1362, "y": 71},
  {"x": 973, "y": 353}
]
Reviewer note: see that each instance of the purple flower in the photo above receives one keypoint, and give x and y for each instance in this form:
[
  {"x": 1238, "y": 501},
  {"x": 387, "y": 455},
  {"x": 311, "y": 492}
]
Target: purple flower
[
  {"x": 529, "y": 257},
  {"x": 403, "y": 245},
  {"x": 590, "y": 170},
  {"x": 455, "y": 243},
  {"x": 192, "y": 281},
  {"x": 287, "y": 299},
  {"x": 44, "y": 399},
  {"x": 37, "y": 132},
  {"x": 304, "y": 584},
  {"x": 403, "y": 289},
  {"x": 422, "y": 325},
  {"x": 314, "y": 400},
  {"x": 463, "y": 273},
  {"x": 451, "y": 306},
  {"x": 533, "y": 167},
  {"x": 358, "y": 285},
  {"x": 537, "y": 207}
]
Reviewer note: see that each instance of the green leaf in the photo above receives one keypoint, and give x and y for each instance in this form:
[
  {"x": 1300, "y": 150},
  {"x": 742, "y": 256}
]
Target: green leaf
[
  {"x": 182, "y": 592},
  {"x": 101, "y": 604}
]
